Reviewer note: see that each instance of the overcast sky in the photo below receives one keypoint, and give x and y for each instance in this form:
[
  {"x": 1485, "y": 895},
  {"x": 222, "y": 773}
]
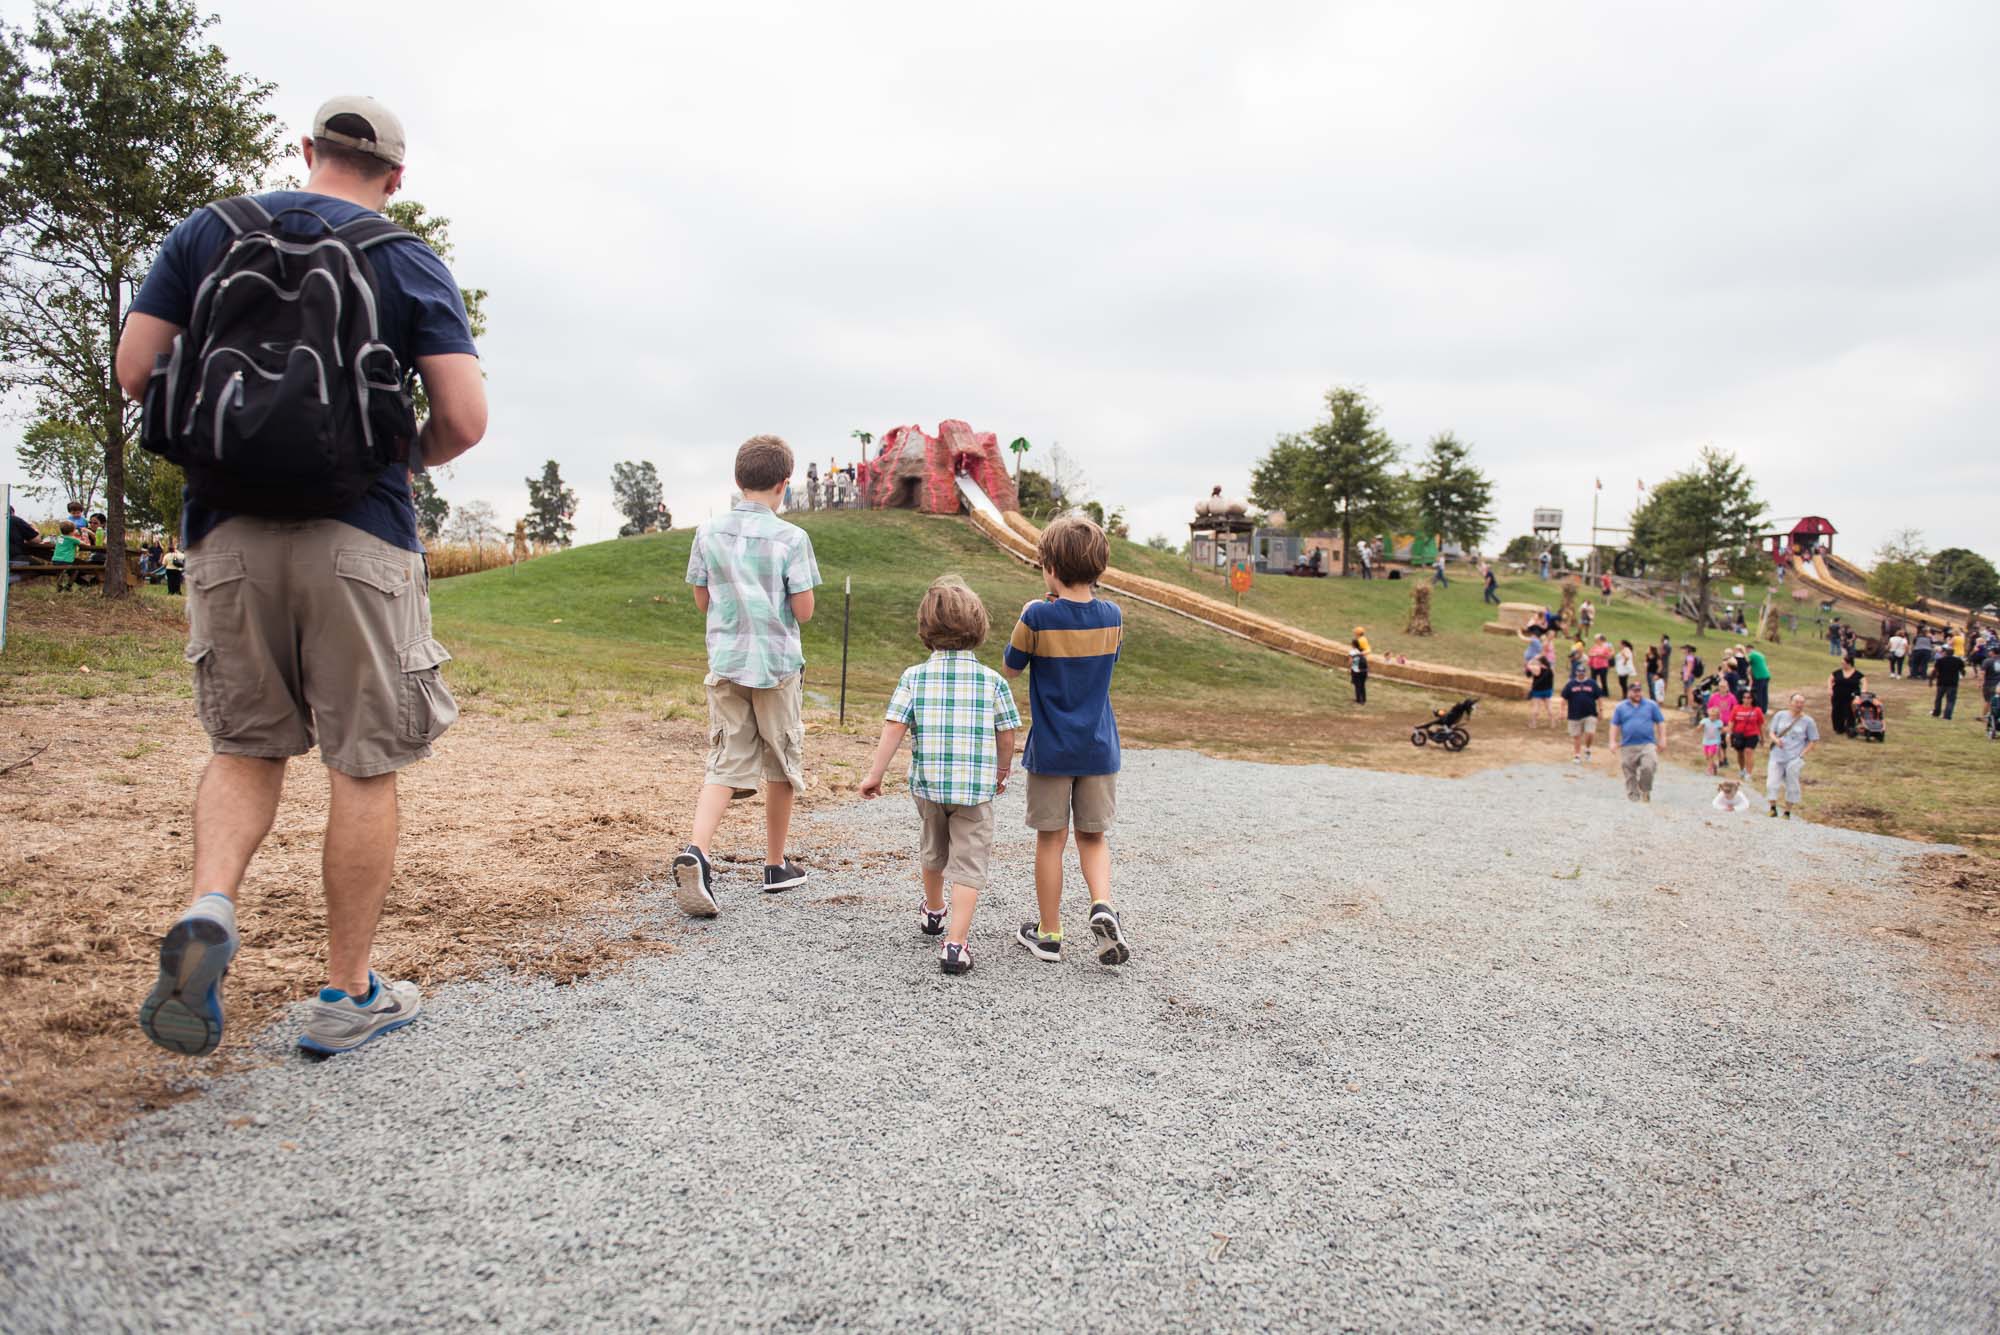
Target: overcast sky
[{"x": 1587, "y": 238}]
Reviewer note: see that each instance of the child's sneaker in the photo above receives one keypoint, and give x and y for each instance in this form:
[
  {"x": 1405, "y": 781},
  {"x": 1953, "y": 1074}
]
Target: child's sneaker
[
  {"x": 787, "y": 875},
  {"x": 1047, "y": 948},
  {"x": 955, "y": 958},
  {"x": 1110, "y": 941},
  {"x": 1774, "y": 808},
  {"x": 694, "y": 883},
  {"x": 930, "y": 921}
]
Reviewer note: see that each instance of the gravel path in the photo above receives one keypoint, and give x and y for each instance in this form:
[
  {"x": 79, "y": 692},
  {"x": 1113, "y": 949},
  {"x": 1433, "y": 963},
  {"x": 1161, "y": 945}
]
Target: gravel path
[{"x": 1393, "y": 1052}]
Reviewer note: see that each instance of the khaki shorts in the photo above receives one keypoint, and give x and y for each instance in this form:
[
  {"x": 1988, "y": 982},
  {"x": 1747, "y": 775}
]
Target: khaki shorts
[
  {"x": 1086, "y": 803},
  {"x": 756, "y": 735},
  {"x": 304, "y": 632},
  {"x": 957, "y": 841},
  {"x": 1583, "y": 727}
]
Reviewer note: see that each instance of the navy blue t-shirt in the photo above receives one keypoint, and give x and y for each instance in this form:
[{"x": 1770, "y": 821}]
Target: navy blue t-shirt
[
  {"x": 422, "y": 314},
  {"x": 1070, "y": 649}
]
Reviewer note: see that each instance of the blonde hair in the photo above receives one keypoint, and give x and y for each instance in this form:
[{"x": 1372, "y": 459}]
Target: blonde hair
[
  {"x": 763, "y": 462},
  {"x": 951, "y": 615},
  {"x": 1074, "y": 550}
]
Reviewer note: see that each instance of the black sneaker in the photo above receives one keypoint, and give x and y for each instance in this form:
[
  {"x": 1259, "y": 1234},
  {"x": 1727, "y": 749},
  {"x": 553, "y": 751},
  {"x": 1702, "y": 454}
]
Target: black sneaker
[
  {"x": 1110, "y": 941},
  {"x": 931, "y": 921},
  {"x": 1048, "y": 948},
  {"x": 788, "y": 875},
  {"x": 694, "y": 883},
  {"x": 955, "y": 958}
]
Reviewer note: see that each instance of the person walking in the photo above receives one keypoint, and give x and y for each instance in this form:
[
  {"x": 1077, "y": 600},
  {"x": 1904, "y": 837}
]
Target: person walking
[
  {"x": 1621, "y": 666},
  {"x": 1946, "y": 669},
  {"x": 312, "y": 631},
  {"x": 1357, "y": 665},
  {"x": 1793, "y": 735},
  {"x": 1367, "y": 561},
  {"x": 1920, "y": 653},
  {"x": 1899, "y": 649},
  {"x": 1492, "y": 581},
  {"x": 1544, "y": 563},
  {"x": 1639, "y": 733},
  {"x": 1580, "y": 696},
  {"x": 1760, "y": 679},
  {"x": 1437, "y": 573},
  {"x": 1846, "y": 683}
]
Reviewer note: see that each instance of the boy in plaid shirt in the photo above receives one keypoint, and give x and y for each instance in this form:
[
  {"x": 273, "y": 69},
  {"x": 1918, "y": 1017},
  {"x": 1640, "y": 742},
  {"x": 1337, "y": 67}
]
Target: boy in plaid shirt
[
  {"x": 961, "y": 720},
  {"x": 753, "y": 576}
]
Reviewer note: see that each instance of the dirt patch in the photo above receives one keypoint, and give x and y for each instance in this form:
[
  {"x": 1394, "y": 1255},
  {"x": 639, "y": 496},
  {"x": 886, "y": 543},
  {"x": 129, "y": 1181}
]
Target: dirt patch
[
  {"x": 513, "y": 835},
  {"x": 1372, "y": 737},
  {"x": 1955, "y": 919}
]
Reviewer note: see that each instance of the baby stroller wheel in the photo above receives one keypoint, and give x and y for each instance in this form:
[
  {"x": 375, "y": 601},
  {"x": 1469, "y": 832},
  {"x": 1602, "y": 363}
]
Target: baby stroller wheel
[
  {"x": 1457, "y": 738},
  {"x": 1418, "y": 737}
]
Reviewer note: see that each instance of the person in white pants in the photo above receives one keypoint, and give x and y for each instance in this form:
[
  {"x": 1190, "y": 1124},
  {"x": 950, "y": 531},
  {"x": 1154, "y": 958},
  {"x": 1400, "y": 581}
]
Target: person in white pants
[{"x": 1793, "y": 734}]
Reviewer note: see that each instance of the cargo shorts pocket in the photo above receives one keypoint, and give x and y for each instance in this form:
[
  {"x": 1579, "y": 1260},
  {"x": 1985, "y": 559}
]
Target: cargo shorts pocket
[
  {"x": 427, "y": 706},
  {"x": 200, "y": 656}
]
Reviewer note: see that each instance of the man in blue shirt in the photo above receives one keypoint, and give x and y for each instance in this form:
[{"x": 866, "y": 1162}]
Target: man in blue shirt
[
  {"x": 312, "y": 631},
  {"x": 1639, "y": 731}
]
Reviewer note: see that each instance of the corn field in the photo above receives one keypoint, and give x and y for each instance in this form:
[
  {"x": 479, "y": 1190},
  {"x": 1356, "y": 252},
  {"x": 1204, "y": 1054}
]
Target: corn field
[{"x": 469, "y": 558}]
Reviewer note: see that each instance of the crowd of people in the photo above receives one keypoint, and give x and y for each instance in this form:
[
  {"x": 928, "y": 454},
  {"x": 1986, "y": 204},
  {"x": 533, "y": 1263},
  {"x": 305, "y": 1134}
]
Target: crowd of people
[
  {"x": 80, "y": 545},
  {"x": 837, "y": 488}
]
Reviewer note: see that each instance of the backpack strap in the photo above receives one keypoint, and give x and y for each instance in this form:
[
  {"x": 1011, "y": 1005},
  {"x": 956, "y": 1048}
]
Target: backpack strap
[
  {"x": 371, "y": 230},
  {"x": 241, "y": 214}
]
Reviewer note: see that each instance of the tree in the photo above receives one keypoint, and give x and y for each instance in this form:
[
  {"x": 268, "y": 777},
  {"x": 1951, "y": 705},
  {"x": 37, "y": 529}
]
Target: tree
[
  {"x": 1160, "y": 542},
  {"x": 1699, "y": 519},
  {"x": 474, "y": 522},
  {"x": 1449, "y": 496},
  {"x": 64, "y": 461},
  {"x": 866, "y": 438},
  {"x": 1525, "y": 549},
  {"x": 1958, "y": 575},
  {"x": 432, "y": 507},
  {"x": 1898, "y": 574},
  {"x": 1037, "y": 496},
  {"x": 115, "y": 124},
  {"x": 435, "y": 232},
  {"x": 1338, "y": 473},
  {"x": 1067, "y": 482},
  {"x": 637, "y": 494},
  {"x": 153, "y": 491},
  {"x": 551, "y": 508}
]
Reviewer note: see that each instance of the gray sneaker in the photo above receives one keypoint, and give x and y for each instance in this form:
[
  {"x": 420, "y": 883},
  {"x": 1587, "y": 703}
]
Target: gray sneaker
[
  {"x": 339, "y": 1023},
  {"x": 183, "y": 1012}
]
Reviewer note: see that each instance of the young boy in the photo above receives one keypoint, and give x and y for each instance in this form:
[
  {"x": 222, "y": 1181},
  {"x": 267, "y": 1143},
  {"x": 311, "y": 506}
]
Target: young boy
[
  {"x": 961, "y": 721},
  {"x": 65, "y": 554},
  {"x": 1071, "y": 640},
  {"x": 753, "y": 576}
]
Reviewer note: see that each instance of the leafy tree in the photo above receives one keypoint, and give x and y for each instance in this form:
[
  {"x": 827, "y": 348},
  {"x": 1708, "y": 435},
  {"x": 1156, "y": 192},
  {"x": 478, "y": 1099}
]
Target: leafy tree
[
  {"x": 1898, "y": 574},
  {"x": 1699, "y": 519},
  {"x": 1038, "y": 497},
  {"x": 1449, "y": 496},
  {"x": 637, "y": 494},
  {"x": 551, "y": 508},
  {"x": 1160, "y": 542},
  {"x": 866, "y": 438},
  {"x": 1526, "y": 549},
  {"x": 153, "y": 490},
  {"x": 1338, "y": 473},
  {"x": 1960, "y": 576},
  {"x": 432, "y": 507},
  {"x": 474, "y": 522},
  {"x": 115, "y": 123},
  {"x": 1117, "y": 525},
  {"x": 435, "y": 231},
  {"x": 64, "y": 461}
]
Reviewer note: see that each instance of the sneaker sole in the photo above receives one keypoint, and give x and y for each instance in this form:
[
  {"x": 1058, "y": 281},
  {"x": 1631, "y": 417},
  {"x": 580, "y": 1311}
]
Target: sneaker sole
[
  {"x": 695, "y": 901},
  {"x": 1111, "y": 946},
  {"x": 183, "y": 1012},
  {"x": 774, "y": 887},
  {"x": 307, "y": 1043}
]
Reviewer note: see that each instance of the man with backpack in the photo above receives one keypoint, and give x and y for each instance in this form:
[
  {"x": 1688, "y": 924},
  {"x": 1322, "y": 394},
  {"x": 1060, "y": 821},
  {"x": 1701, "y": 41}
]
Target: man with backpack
[{"x": 271, "y": 345}]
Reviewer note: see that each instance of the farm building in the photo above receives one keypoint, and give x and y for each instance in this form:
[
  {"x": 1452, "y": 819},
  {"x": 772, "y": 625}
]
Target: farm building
[{"x": 1802, "y": 536}]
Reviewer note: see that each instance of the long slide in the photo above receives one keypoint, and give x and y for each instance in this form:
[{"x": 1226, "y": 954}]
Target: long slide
[
  {"x": 1013, "y": 534},
  {"x": 1845, "y": 583}
]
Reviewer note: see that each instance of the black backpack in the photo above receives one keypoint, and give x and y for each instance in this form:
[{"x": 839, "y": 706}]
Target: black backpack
[{"x": 280, "y": 398}]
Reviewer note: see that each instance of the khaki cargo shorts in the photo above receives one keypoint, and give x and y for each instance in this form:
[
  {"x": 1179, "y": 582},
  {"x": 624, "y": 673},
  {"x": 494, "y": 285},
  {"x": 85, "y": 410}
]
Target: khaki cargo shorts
[
  {"x": 957, "y": 841},
  {"x": 1087, "y": 803},
  {"x": 756, "y": 735},
  {"x": 314, "y": 632},
  {"x": 1583, "y": 727}
]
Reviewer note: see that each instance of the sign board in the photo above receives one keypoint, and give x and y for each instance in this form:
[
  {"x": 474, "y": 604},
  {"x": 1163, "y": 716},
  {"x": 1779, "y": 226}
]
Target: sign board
[
  {"x": 1239, "y": 577},
  {"x": 1545, "y": 518}
]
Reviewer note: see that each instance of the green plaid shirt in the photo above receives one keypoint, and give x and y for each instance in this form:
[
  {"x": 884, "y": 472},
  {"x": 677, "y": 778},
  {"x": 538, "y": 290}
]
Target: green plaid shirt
[
  {"x": 952, "y": 705},
  {"x": 752, "y": 562}
]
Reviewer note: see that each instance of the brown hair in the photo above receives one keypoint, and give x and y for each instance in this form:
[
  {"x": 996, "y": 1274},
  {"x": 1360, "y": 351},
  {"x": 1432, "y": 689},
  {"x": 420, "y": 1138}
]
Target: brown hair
[
  {"x": 763, "y": 462},
  {"x": 1073, "y": 550},
  {"x": 365, "y": 165},
  {"x": 951, "y": 616},
  {"x": 66, "y": 526}
]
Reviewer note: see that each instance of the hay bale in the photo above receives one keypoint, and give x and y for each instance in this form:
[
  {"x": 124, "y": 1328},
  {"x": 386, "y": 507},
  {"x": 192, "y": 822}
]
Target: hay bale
[{"x": 1420, "y": 611}]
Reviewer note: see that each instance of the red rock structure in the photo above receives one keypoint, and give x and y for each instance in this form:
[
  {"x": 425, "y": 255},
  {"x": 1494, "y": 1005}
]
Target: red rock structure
[{"x": 916, "y": 470}]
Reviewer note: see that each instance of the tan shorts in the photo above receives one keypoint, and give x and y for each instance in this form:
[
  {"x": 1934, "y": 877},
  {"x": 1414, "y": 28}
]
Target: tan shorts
[
  {"x": 1583, "y": 727},
  {"x": 1087, "y": 803},
  {"x": 756, "y": 735},
  {"x": 314, "y": 631},
  {"x": 957, "y": 841}
]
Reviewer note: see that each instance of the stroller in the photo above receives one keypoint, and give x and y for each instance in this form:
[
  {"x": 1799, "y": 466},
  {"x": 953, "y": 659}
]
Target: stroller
[
  {"x": 1868, "y": 725},
  {"x": 1444, "y": 728}
]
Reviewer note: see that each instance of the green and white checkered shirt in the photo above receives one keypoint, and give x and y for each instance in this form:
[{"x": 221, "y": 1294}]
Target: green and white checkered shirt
[
  {"x": 952, "y": 705},
  {"x": 751, "y": 563}
]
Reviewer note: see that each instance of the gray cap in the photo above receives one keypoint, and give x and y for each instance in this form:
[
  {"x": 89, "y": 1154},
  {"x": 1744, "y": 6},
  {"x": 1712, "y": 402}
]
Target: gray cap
[{"x": 363, "y": 124}]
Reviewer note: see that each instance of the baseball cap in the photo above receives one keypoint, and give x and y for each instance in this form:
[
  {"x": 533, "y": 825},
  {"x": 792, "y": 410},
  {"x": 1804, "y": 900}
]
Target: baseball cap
[{"x": 363, "y": 124}]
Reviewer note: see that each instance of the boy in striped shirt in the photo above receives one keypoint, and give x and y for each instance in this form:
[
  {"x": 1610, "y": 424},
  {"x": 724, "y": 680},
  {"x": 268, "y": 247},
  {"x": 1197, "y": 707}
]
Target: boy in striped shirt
[{"x": 961, "y": 719}]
